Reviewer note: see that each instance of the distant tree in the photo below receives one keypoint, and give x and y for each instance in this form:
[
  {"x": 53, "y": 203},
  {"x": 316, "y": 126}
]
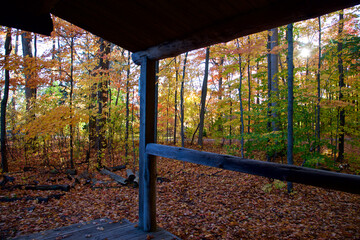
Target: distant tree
[
  {"x": 203, "y": 97},
  {"x": 4, "y": 161},
  {"x": 341, "y": 86},
  {"x": 102, "y": 98},
  {"x": 30, "y": 85},
  {"x": 182, "y": 117},
  {"x": 241, "y": 105}
]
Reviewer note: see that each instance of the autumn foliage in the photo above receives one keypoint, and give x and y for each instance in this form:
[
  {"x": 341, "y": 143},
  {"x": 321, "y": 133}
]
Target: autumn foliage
[{"x": 84, "y": 114}]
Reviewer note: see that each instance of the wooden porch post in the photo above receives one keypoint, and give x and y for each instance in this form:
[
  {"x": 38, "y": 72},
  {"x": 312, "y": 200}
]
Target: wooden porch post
[{"x": 147, "y": 163}]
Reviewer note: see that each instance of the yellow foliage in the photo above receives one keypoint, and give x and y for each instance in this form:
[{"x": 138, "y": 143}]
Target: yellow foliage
[{"x": 51, "y": 122}]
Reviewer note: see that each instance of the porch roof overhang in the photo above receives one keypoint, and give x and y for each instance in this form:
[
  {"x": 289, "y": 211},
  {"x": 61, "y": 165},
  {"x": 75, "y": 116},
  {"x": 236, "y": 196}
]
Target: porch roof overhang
[{"x": 165, "y": 28}]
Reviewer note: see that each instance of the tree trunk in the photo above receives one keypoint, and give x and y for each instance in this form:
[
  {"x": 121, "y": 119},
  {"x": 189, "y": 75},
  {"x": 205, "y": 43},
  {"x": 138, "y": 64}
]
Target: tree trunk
[
  {"x": 231, "y": 115},
  {"x": 220, "y": 126},
  {"x": 102, "y": 98},
  {"x": 249, "y": 86},
  {"x": 269, "y": 86},
  {"x": 4, "y": 161},
  {"x": 175, "y": 101},
  {"x": 290, "y": 82},
  {"x": 274, "y": 79},
  {"x": 182, "y": 103},
  {"x": 203, "y": 98},
  {"x": 273, "y": 90},
  {"x": 317, "y": 127},
  {"x": 30, "y": 89},
  {"x": 156, "y": 99},
  {"x": 241, "y": 105},
  {"x": 341, "y": 85},
  {"x": 127, "y": 109},
  {"x": 71, "y": 101}
]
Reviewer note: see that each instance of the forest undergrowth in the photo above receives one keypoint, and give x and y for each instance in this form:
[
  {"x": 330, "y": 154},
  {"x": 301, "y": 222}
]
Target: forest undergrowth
[{"x": 193, "y": 202}]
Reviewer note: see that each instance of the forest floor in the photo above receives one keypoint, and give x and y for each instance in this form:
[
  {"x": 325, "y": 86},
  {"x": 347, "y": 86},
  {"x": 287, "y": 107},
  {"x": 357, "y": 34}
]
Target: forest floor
[{"x": 193, "y": 202}]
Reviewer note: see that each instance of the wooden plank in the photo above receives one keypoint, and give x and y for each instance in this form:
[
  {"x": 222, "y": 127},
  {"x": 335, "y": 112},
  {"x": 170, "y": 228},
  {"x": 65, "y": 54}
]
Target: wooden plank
[
  {"x": 94, "y": 232},
  {"x": 320, "y": 178},
  {"x": 147, "y": 163},
  {"x": 53, "y": 233},
  {"x": 114, "y": 176},
  {"x": 244, "y": 23},
  {"x": 100, "y": 229}
]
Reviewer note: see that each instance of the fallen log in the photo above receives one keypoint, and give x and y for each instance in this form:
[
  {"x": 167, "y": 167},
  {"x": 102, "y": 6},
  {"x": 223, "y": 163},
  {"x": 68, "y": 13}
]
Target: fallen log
[
  {"x": 114, "y": 176},
  {"x": 12, "y": 187},
  {"x": 130, "y": 176},
  {"x": 162, "y": 179},
  {"x": 39, "y": 199},
  {"x": 116, "y": 168},
  {"x": 64, "y": 188},
  {"x": 136, "y": 180},
  {"x": 71, "y": 172},
  {"x": 6, "y": 179}
]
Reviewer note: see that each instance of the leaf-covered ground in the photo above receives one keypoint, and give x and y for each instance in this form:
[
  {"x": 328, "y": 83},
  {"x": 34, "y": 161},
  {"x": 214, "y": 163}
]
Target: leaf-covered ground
[{"x": 194, "y": 202}]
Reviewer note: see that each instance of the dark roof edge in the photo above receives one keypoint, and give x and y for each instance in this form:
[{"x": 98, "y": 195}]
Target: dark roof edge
[{"x": 238, "y": 26}]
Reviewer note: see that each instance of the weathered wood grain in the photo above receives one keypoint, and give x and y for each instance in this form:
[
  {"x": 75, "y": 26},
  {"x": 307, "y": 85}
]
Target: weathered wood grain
[
  {"x": 147, "y": 163},
  {"x": 320, "y": 178},
  {"x": 100, "y": 229}
]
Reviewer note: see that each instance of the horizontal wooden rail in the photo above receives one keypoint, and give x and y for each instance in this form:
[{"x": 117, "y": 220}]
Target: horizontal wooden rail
[{"x": 320, "y": 178}]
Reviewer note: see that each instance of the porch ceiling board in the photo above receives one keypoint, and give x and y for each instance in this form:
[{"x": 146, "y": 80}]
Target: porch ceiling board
[{"x": 165, "y": 28}]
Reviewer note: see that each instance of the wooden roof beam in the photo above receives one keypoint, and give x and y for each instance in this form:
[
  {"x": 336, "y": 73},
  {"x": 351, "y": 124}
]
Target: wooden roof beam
[{"x": 244, "y": 24}]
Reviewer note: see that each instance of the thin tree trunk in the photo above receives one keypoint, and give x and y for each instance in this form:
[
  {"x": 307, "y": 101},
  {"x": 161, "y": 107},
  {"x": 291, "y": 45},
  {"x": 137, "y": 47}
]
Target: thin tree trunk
[
  {"x": 156, "y": 99},
  {"x": 241, "y": 106},
  {"x": 269, "y": 89},
  {"x": 175, "y": 101},
  {"x": 219, "y": 117},
  {"x": 4, "y": 161},
  {"x": 290, "y": 81},
  {"x": 341, "y": 85},
  {"x": 182, "y": 103},
  {"x": 132, "y": 129},
  {"x": 317, "y": 127},
  {"x": 71, "y": 102},
  {"x": 203, "y": 98},
  {"x": 167, "y": 113},
  {"x": 249, "y": 86},
  {"x": 127, "y": 109},
  {"x": 231, "y": 111}
]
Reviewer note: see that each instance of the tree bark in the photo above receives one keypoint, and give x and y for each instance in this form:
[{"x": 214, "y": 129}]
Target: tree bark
[
  {"x": 175, "y": 101},
  {"x": 30, "y": 89},
  {"x": 317, "y": 127},
  {"x": 249, "y": 86},
  {"x": 182, "y": 103},
  {"x": 241, "y": 105},
  {"x": 102, "y": 98},
  {"x": 274, "y": 78},
  {"x": 71, "y": 101},
  {"x": 203, "y": 97},
  {"x": 341, "y": 85},
  {"x": 273, "y": 90},
  {"x": 157, "y": 63},
  {"x": 127, "y": 109},
  {"x": 4, "y": 161}
]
